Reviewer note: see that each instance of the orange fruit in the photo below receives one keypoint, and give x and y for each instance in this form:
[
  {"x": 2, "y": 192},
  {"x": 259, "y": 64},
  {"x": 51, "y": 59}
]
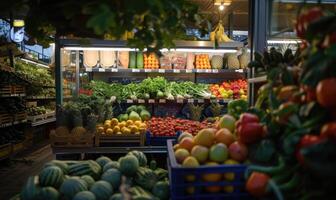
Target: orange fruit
[{"x": 187, "y": 143}]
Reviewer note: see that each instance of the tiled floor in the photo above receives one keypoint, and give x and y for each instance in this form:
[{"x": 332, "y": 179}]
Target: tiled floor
[{"x": 14, "y": 175}]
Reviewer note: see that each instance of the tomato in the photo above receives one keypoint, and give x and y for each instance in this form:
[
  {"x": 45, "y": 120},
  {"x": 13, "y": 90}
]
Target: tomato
[
  {"x": 326, "y": 93},
  {"x": 257, "y": 183},
  {"x": 306, "y": 141},
  {"x": 329, "y": 130}
]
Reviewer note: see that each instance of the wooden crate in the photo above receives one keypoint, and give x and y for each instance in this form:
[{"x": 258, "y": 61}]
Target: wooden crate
[
  {"x": 5, "y": 151},
  {"x": 69, "y": 141},
  {"x": 17, "y": 147},
  {"x": 5, "y": 118},
  {"x": 36, "y": 118},
  {"x": 50, "y": 115},
  {"x": 137, "y": 139},
  {"x": 5, "y": 90},
  {"x": 18, "y": 89},
  {"x": 20, "y": 116}
]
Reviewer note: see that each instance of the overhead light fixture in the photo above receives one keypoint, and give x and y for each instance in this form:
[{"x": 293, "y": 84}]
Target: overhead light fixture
[{"x": 221, "y": 7}]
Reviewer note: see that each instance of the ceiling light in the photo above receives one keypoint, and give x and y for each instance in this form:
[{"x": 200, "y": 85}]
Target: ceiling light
[{"x": 221, "y": 7}]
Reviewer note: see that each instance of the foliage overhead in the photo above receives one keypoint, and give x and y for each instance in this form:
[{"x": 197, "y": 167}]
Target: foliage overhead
[{"x": 153, "y": 23}]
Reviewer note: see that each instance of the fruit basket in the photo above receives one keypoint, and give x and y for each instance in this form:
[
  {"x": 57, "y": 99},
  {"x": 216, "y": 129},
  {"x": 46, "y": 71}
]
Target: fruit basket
[
  {"x": 159, "y": 140},
  {"x": 187, "y": 183}
]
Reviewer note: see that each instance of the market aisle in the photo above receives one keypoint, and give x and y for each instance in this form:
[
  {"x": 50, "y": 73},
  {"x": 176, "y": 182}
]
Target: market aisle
[{"x": 14, "y": 176}]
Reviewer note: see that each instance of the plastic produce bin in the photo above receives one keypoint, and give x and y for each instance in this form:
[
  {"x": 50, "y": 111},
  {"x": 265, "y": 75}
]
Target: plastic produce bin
[{"x": 179, "y": 186}]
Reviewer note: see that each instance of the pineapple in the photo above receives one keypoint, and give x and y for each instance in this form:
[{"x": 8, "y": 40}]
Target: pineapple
[
  {"x": 217, "y": 62},
  {"x": 244, "y": 58},
  {"x": 62, "y": 122},
  {"x": 78, "y": 129},
  {"x": 232, "y": 61},
  {"x": 91, "y": 123}
]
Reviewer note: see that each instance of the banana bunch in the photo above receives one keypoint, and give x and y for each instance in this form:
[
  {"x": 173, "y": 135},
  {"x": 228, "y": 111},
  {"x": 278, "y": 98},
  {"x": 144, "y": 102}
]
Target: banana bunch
[{"x": 219, "y": 35}]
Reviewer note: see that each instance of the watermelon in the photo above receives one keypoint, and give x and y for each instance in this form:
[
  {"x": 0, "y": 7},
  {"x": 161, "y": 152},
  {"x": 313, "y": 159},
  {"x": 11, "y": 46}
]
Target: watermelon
[
  {"x": 103, "y": 160},
  {"x": 51, "y": 176},
  {"x": 88, "y": 180},
  {"x": 63, "y": 165},
  {"x": 113, "y": 176},
  {"x": 84, "y": 195},
  {"x": 128, "y": 165},
  {"x": 116, "y": 196},
  {"x": 139, "y": 60},
  {"x": 162, "y": 174},
  {"x": 48, "y": 193},
  {"x": 88, "y": 167},
  {"x": 72, "y": 186},
  {"x": 153, "y": 165},
  {"x": 111, "y": 165},
  {"x": 146, "y": 178},
  {"x": 161, "y": 190},
  {"x": 31, "y": 189},
  {"x": 132, "y": 59},
  {"x": 102, "y": 190},
  {"x": 140, "y": 156}
]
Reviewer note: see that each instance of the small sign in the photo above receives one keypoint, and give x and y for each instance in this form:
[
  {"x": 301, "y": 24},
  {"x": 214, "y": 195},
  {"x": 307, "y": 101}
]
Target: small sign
[
  {"x": 114, "y": 70},
  {"x": 129, "y": 101},
  {"x": 190, "y": 100},
  {"x": 188, "y": 71},
  {"x": 179, "y": 100},
  {"x": 215, "y": 71},
  {"x": 148, "y": 70},
  {"x": 88, "y": 69},
  {"x": 162, "y": 71},
  {"x": 200, "y": 100},
  {"x": 101, "y": 70},
  {"x": 239, "y": 70},
  {"x": 136, "y": 70},
  {"x": 141, "y": 101},
  {"x": 151, "y": 100},
  {"x": 162, "y": 100},
  {"x": 176, "y": 71},
  {"x": 208, "y": 71}
]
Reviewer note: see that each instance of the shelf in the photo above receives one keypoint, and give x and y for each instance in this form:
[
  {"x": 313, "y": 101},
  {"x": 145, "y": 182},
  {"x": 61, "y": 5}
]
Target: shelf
[
  {"x": 110, "y": 150},
  {"x": 44, "y": 97},
  {"x": 209, "y": 71},
  {"x": 12, "y": 95},
  {"x": 181, "y": 101},
  {"x": 258, "y": 79},
  {"x": 45, "y": 121},
  {"x": 12, "y": 123}
]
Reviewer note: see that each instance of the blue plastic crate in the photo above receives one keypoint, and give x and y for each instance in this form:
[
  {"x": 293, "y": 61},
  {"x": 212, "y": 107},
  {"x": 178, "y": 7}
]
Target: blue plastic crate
[
  {"x": 178, "y": 184},
  {"x": 159, "y": 140}
]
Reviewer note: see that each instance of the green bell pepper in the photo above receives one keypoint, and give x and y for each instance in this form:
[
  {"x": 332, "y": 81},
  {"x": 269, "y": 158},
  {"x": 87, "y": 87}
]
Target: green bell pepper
[{"x": 237, "y": 107}]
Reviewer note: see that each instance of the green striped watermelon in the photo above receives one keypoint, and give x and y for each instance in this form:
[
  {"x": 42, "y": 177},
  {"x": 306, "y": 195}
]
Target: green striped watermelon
[
  {"x": 140, "y": 156},
  {"x": 103, "y": 160},
  {"x": 116, "y": 196},
  {"x": 48, "y": 193},
  {"x": 89, "y": 167},
  {"x": 102, "y": 190},
  {"x": 89, "y": 180},
  {"x": 61, "y": 164},
  {"x": 31, "y": 189},
  {"x": 51, "y": 176},
  {"x": 72, "y": 186},
  {"x": 84, "y": 195},
  {"x": 111, "y": 165},
  {"x": 113, "y": 176}
]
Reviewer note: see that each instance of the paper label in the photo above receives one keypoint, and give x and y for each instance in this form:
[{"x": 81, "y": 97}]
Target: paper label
[
  {"x": 148, "y": 70},
  {"x": 129, "y": 101},
  {"x": 101, "y": 70},
  {"x": 190, "y": 100},
  {"x": 179, "y": 100},
  {"x": 114, "y": 70},
  {"x": 151, "y": 101},
  {"x": 176, "y": 71},
  {"x": 141, "y": 101},
  {"x": 135, "y": 70},
  {"x": 162, "y": 100},
  {"x": 88, "y": 69},
  {"x": 162, "y": 71}
]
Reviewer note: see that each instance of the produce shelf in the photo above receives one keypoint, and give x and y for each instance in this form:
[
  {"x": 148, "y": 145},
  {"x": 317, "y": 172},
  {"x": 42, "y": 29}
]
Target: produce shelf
[
  {"x": 199, "y": 71},
  {"x": 13, "y": 123},
  {"x": 108, "y": 150},
  {"x": 44, "y": 97},
  {"x": 12, "y": 95},
  {"x": 257, "y": 79},
  {"x": 45, "y": 121},
  {"x": 181, "y": 101}
]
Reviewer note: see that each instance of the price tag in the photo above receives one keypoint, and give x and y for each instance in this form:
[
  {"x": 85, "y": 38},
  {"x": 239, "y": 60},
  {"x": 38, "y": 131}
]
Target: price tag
[
  {"x": 148, "y": 70},
  {"x": 88, "y": 69},
  {"x": 188, "y": 71},
  {"x": 190, "y": 100},
  {"x": 208, "y": 71},
  {"x": 200, "y": 100},
  {"x": 215, "y": 71},
  {"x": 136, "y": 70},
  {"x": 141, "y": 101},
  {"x": 176, "y": 71},
  {"x": 162, "y": 71},
  {"x": 129, "y": 101},
  {"x": 162, "y": 100},
  {"x": 179, "y": 100},
  {"x": 151, "y": 100},
  {"x": 114, "y": 70},
  {"x": 101, "y": 70},
  {"x": 239, "y": 70}
]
